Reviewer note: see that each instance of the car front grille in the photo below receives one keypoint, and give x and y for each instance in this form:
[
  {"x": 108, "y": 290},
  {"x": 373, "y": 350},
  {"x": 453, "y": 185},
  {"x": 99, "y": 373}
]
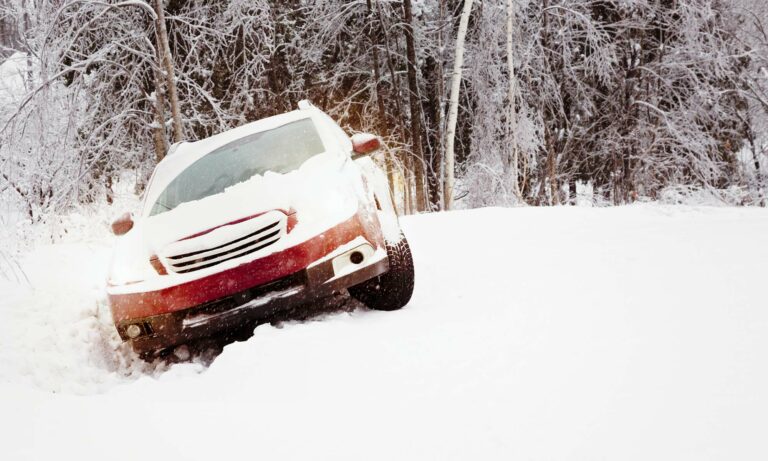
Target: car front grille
[{"x": 264, "y": 231}]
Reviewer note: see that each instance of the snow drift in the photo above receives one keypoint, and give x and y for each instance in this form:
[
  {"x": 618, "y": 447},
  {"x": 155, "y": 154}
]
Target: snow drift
[{"x": 560, "y": 333}]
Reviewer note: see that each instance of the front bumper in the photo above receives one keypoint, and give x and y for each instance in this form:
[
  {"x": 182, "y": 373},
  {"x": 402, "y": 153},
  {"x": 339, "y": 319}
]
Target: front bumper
[{"x": 253, "y": 304}]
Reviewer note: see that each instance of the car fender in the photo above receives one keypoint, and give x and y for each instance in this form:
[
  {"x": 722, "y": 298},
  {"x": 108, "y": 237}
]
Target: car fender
[
  {"x": 381, "y": 196},
  {"x": 131, "y": 259}
]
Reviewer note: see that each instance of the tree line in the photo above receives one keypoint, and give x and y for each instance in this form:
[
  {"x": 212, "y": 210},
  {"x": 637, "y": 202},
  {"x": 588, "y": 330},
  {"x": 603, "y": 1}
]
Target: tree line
[{"x": 629, "y": 98}]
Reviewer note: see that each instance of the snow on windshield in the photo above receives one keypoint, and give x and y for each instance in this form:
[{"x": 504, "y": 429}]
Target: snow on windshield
[{"x": 279, "y": 150}]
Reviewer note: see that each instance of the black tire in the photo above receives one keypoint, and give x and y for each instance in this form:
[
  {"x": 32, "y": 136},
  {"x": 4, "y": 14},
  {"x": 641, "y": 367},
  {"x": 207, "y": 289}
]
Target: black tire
[{"x": 392, "y": 290}]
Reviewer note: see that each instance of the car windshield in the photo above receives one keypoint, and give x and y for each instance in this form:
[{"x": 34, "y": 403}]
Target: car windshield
[{"x": 279, "y": 150}]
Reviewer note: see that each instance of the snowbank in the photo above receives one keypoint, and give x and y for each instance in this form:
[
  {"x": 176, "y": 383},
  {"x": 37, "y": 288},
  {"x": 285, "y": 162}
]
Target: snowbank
[{"x": 540, "y": 333}]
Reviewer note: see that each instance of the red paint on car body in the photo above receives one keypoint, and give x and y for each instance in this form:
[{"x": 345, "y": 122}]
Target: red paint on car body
[{"x": 251, "y": 274}]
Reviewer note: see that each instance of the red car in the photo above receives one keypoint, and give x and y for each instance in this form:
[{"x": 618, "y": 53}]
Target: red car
[{"x": 271, "y": 215}]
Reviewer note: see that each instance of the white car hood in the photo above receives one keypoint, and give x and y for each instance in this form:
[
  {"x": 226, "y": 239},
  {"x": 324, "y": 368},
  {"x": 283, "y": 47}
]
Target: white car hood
[{"x": 323, "y": 192}]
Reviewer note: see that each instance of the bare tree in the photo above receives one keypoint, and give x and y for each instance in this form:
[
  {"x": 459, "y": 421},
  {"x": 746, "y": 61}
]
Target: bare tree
[
  {"x": 453, "y": 108},
  {"x": 164, "y": 53},
  {"x": 639, "y": 98},
  {"x": 415, "y": 107},
  {"x": 514, "y": 157}
]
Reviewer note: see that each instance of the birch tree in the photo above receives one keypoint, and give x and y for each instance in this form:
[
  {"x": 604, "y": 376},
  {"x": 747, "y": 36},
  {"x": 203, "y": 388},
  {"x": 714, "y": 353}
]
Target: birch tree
[
  {"x": 453, "y": 108},
  {"x": 165, "y": 58}
]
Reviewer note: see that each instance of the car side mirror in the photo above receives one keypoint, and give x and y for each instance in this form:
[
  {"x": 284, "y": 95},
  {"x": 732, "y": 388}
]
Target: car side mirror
[
  {"x": 365, "y": 143},
  {"x": 123, "y": 224}
]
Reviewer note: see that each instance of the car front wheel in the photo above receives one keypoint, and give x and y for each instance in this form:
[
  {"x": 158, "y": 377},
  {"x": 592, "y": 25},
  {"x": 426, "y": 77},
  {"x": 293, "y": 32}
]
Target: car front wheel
[{"x": 393, "y": 289}]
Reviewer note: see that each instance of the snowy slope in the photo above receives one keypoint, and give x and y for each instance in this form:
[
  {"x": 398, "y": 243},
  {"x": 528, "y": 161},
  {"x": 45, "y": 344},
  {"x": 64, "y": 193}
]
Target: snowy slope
[{"x": 560, "y": 333}]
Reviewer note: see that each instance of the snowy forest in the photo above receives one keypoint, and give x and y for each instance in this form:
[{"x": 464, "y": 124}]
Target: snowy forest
[
  {"x": 494, "y": 102},
  {"x": 384, "y": 230}
]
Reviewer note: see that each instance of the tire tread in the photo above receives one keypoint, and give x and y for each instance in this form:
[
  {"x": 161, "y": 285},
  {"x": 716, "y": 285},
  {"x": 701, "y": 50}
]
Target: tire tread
[{"x": 393, "y": 289}]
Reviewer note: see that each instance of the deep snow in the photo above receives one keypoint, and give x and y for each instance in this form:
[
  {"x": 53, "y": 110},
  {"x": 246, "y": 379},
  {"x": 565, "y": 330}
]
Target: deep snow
[{"x": 541, "y": 333}]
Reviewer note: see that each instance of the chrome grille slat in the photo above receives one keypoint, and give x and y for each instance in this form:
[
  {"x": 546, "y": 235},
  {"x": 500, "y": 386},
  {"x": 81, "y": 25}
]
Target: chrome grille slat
[
  {"x": 215, "y": 256},
  {"x": 225, "y": 244},
  {"x": 245, "y": 253},
  {"x": 235, "y": 245},
  {"x": 270, "y": 229}
]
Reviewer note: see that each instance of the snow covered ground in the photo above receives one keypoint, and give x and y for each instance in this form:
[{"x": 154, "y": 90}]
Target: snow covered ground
[{"x": 540, "y": 333}]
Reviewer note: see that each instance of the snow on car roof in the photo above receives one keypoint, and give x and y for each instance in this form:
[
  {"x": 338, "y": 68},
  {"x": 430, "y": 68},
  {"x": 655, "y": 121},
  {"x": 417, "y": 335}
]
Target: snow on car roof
[{"x": 187, "y": 153}]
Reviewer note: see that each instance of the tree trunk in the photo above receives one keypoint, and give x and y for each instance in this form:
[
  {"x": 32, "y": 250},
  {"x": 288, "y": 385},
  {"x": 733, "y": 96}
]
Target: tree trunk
[
  {"x": 759, "y": 177},
  {"x": 373, "y": 38},
  {"x": 407, "y": 190},
  {"x": 443, "y": 38},
  {"x": 415, "y": 106},
  {"x": 158, "y": 131},
  {"x": 572, "y": 191},
  {"x": 166, "y": 61},
  {"x": 29, "y": 79},
  {"x": 513, "y": 159},
  {"x": 433, "y": 118},
  {"x": 554, "y": 196},
  {"x": 615, "y": 178},
  {"x": 453, "y": 105},
  {"x": 753, "y": 144},
  {"x": 382, "y": 125},
  {"x": 395, "y": 83},
  {"x": 110, "y": 191}
]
